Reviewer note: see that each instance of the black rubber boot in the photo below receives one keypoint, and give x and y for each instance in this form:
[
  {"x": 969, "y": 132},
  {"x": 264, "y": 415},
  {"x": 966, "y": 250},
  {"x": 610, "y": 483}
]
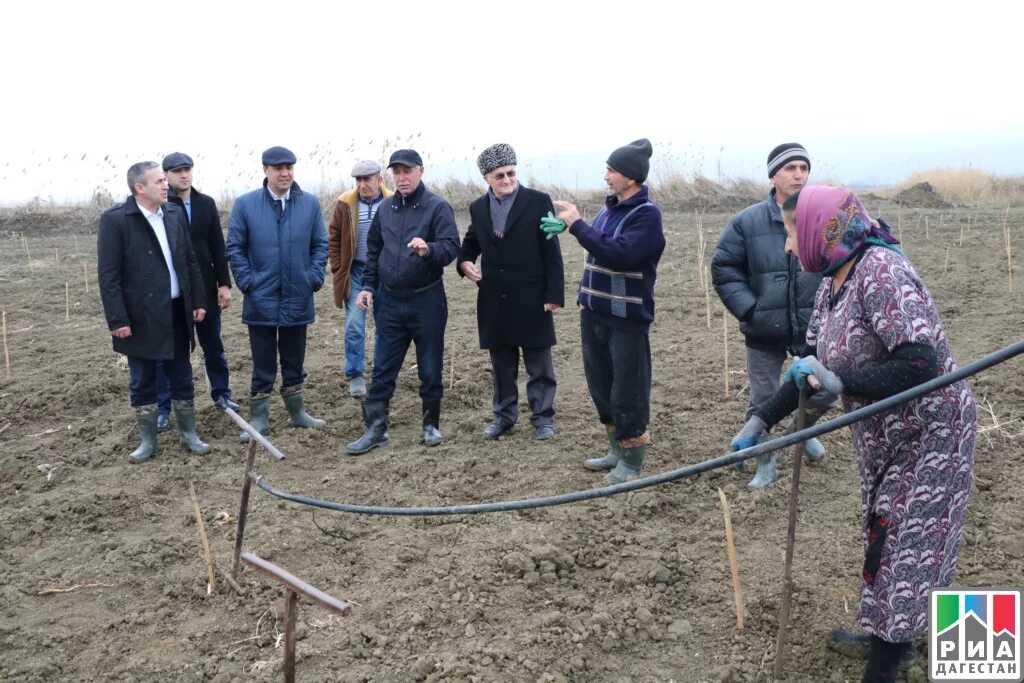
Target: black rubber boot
[
  {"x": 259, "y": 415},
  {"x": 431, "y": 419},
  {"x": 295, "y": 402},
  {"x": 609, "y": 459},
  {"x": 886, "y": 660},
  {"x": 145, "y": 417},
  {"x": 375, "y": 414},
  {"x": 629, "y": 467},
  {"x": 185, "y": 416}
]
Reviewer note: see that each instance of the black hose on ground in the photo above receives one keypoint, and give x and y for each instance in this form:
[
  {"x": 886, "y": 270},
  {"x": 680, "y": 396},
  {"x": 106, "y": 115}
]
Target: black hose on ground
[{"x": 673, "y": 475}]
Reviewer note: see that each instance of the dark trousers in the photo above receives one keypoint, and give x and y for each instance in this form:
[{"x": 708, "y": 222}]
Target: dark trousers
[
  {"x": 208, "y": 333},
  {"x": 617, "y": 364},
  {"x": 266, "y": 344},
  {"x": 419, "y": 319},
  {"x": 142, "y": 372},
  {"x": 540, "y": 388}
]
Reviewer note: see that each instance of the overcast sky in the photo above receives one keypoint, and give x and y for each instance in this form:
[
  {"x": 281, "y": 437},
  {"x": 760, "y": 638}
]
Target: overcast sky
[{"x": 871, "y": 88}]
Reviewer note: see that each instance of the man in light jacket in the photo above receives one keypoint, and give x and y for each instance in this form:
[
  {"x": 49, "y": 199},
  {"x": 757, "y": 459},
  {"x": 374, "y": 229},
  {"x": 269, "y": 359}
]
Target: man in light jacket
[{"x": 346, "y": 249}]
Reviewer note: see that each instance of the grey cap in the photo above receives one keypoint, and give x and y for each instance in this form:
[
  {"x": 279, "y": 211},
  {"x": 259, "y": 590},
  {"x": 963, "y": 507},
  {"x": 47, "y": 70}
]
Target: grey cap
[
  {"x": 405, "y": 157},
  {"x": 365, "y": 169},
  {"x": 176, "y": 160},
  {"x": 278, "y": 155}
]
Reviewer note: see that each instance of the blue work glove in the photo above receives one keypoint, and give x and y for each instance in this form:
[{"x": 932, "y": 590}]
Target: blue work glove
[
  {"x": 551, "y": 225},
  {"x": 748, "y": 436},
  {"x": 801, "y": 368}
]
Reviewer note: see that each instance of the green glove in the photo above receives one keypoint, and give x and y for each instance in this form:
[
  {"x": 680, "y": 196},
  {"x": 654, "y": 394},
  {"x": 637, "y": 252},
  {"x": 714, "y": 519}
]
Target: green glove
[{"x": 552, "y": 226}]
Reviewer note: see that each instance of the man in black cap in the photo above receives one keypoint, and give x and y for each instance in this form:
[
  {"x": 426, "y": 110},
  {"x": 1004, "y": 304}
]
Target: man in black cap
[
  {"x": 520, "y": 282},
  {"x": 152, "y": 292},
  {"x": 277, "y": 247},
  {"x": 412, "y": 238},
  {"x": 208, "y": 244},
  {"x": 772, "y": 298},
  {"x": 616, "y": 300}
]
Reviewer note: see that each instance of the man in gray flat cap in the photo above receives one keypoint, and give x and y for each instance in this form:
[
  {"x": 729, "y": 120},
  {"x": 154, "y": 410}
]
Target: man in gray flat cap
[
  {"x": 520, "y": 282},
  {"x": 208, "y": 244},
  {"x": 277, "y": 247},
  {"x": 346, "y": 249}
]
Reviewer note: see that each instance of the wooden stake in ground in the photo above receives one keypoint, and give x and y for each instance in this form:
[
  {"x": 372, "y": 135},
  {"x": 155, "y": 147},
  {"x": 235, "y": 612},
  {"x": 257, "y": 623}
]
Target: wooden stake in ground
[
  {"x": 56, "y": 255},
  {"x": 707, "y": 296},
  {"x": 7, "y": 351},
  {"x": 734, "y": 567},
  {"x": 945, "y": 266},
  {"x": 1009, "y": 253},
  {"x": 927, "y": 232},
  {"x": 67, "y": 302},
  {"x": 76, "y": 243},
  {"x": 211, "y": 570},
  {"x": 794, "y": 503},
  {"x": 85, "y": 277},
  {"x": 725, "y": 347}
]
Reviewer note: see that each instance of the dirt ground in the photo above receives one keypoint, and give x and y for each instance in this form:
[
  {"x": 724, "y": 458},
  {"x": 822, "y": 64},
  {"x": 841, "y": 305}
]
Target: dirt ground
[{"x": 628, "y": 588}]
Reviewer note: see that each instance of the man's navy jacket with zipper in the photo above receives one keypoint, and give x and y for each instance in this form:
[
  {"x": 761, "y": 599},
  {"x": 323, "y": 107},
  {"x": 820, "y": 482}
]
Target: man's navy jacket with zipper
[{"x": 390, "y": 263}]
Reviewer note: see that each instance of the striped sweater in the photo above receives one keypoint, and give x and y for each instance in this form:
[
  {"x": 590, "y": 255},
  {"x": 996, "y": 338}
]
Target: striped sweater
[{"x": 624, "y": 246}]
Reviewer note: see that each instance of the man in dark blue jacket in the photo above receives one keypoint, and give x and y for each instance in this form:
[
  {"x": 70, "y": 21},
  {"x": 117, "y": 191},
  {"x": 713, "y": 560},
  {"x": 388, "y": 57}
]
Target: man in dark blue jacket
[
  {"x": 208, "y": 245},
  {"x": 616, "y": 299},
  {"x": 765, "y": 289},
  {"x": 152, "y": 293},
  {"x": 412, "y": 238},
  {"x": 277, "y": 247}
]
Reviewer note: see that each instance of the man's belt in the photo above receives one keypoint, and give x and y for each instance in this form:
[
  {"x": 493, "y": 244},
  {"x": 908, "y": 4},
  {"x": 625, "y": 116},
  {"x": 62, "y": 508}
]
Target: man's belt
[{"x": 409, "y": 292}]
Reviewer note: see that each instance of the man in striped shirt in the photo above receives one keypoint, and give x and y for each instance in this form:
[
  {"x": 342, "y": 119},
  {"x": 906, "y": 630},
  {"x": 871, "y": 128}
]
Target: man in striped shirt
[{"x": 346, "y": 248}]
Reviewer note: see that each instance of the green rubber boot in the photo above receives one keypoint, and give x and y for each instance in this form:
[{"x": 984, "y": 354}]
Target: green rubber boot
[
  {"x": 185, "y": 416},
  {"x": 259, "y": 415},
  {"x": 145, "y": 417},
  {"x": 629, "y": 467},
  {"x": 295, "y": 402},
  {"x": 609, "y": 459}
]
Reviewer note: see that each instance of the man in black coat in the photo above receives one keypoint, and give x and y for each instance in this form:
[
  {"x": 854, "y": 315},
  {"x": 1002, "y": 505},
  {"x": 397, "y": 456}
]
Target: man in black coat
[
  {"x": 521, "y": 282},
  {"x": 152, "y": 291},
  {"x": 208, "y": 245}
]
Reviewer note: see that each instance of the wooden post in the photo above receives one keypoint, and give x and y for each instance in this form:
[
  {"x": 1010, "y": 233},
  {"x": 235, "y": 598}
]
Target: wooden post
[
  {"x": 76, "y": 243},
  {"x": 725, "y": 347},
  {"x": 85, "y": 277},
  {"x": 67, "y": 301},
  {"x": 1009, "y": 254},
  {"x": 56, "y": 256},
  {"x": 734, "y": 567},
  {"x": 211, "y": 570},
  {"x": 945, "y": 266},
  {"x": 707, "y": 296},
  {"x": 243, "y": 508},
  {"x": 787, "y": 574},
  {"x": 291, "y": 613},
  {"x": 295, "y": 587},
  {"x": 7, "y": 351}
]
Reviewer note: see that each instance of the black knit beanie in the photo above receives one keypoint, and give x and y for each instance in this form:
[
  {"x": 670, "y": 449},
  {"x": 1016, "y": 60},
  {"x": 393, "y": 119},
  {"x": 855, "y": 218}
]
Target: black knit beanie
[
  {"x": 633, "y": 160},
  {"x": 785, "y": 153}
]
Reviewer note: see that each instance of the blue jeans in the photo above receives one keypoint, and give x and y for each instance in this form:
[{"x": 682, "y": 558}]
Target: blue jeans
[
  {"x": 355, "y": 325},
  {"x": 208, "y": 333},
  {"x": 420, "y": 319}
]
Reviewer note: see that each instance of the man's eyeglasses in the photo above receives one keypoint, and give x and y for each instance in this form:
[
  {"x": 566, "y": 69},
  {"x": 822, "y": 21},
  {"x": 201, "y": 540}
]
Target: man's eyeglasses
[{"x": 504, "y": 174}]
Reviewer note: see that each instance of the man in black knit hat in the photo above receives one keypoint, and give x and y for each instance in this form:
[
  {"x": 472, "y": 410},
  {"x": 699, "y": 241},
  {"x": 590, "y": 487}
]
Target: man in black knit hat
[
  {"x": 772, "y": 298},
  {"x": 616, "y": 300}
]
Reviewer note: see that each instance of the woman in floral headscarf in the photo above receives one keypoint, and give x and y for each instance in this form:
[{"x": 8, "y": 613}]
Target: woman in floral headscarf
[{"x": 875, "y": 332}]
